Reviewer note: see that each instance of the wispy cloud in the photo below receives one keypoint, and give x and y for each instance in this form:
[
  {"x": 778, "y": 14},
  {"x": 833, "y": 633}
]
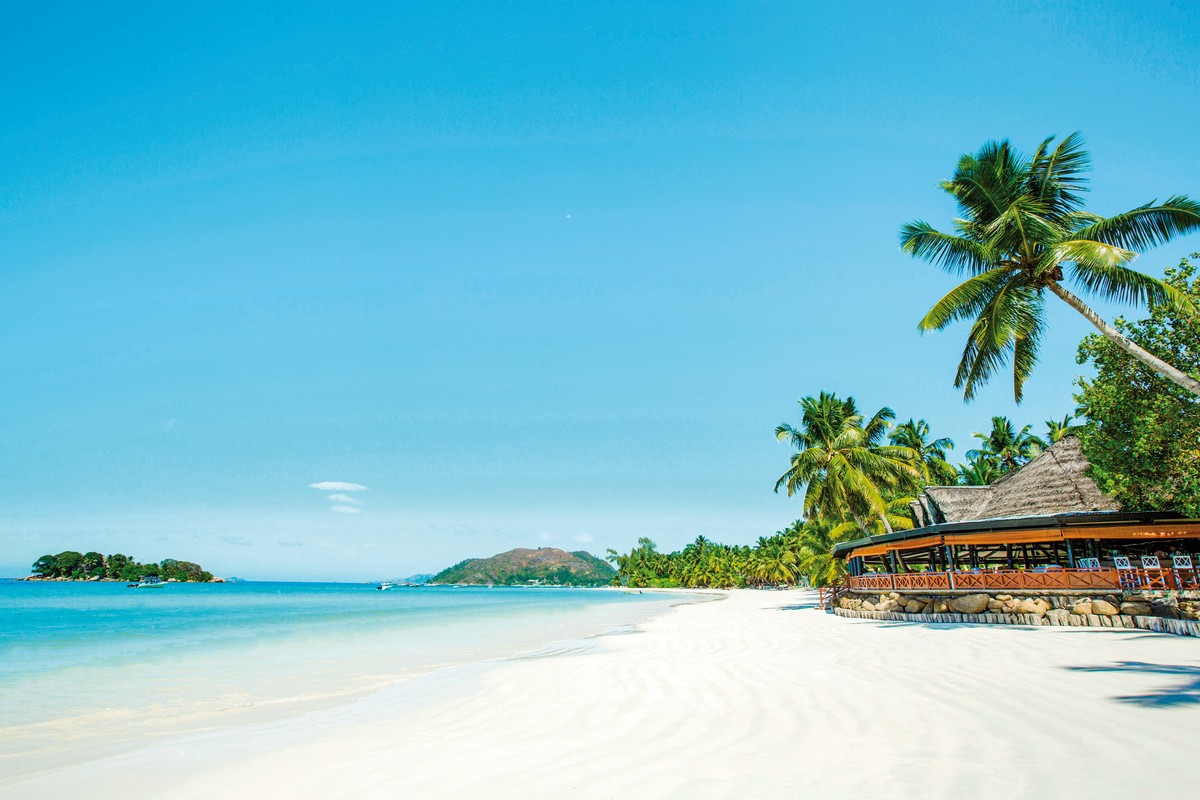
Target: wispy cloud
[
  {"x": 544, "y": 536},
  {"x": 346, "y": 509},
  {"x": 240, "y": 541},
  {"x": 342, "y": 498},
  {"x": 337, "y": 486},
  {"x": 291, "y": 544},
  {"x": 582, "y": 538}
]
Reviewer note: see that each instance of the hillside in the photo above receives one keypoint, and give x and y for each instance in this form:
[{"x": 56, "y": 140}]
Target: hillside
[{"x": 547, "y": 565}]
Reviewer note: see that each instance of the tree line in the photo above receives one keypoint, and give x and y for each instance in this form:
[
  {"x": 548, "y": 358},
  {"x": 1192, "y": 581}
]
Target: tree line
[
  {"x": 72, "y": 565},
  {"x": 1022, "y": 233}
]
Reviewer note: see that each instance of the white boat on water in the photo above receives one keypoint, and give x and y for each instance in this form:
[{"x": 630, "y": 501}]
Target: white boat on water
[
  {"x": 385, "y": 585},
  {"x": 147, "y": 585}
]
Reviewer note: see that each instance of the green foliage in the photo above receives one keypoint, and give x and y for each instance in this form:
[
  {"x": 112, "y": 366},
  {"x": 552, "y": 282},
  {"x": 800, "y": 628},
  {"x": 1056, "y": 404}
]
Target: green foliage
[
  {"x": 519, "y": 567},
  {"x": 1143, "y": 436},
  {"x": 46, "y": 566},
  {"x": 82, "y": 566},
  {"x": 1004, "y": 447},
  {"x": 981, "y": 470},
  {"x": 706, "y": 564},
  {"x": 1022, "y": 231},
  {"x": 841, "y": 464},
  {"x": 915, "y": 435}
]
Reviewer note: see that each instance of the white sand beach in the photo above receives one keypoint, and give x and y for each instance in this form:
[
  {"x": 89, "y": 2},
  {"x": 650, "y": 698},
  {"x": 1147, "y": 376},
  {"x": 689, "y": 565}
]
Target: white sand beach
[{"x": 756, "y": 695}]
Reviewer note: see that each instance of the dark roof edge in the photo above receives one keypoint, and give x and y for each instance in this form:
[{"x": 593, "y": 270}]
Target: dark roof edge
[{"x": 1073, "y": 519}]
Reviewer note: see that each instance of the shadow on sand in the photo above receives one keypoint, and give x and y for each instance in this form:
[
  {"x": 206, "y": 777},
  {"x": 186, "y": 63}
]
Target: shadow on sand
[{"x": 1186, "y": 692}]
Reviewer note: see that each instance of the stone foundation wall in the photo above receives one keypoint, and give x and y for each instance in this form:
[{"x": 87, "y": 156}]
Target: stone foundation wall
[{"x": 1164, "y": 613}]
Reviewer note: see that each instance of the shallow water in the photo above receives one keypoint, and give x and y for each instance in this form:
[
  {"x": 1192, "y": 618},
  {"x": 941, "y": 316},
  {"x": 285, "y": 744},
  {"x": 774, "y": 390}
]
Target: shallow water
[{"x": 84, "y": 661}]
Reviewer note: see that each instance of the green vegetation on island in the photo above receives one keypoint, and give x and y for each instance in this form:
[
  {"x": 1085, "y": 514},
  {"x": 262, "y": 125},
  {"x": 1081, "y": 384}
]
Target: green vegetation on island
[
  {"x": 1022, "y": 233},
  {"x": 70, "y": 565},
  {"x": 546, "y": 566}
]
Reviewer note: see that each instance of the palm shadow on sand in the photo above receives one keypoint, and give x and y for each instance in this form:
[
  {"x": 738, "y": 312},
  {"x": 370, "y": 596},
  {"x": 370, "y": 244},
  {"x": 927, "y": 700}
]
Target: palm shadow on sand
[{"x": 1185, "y": 692}]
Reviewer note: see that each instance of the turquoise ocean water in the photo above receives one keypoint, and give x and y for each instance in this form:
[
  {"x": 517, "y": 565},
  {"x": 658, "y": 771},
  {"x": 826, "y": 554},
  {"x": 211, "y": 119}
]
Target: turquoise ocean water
[{"x": 80, "y": 661}]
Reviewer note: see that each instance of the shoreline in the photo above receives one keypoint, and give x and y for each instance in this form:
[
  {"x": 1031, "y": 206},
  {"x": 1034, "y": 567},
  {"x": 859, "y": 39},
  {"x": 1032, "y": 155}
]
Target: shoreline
[
  {"x": 758, "y": 693},
  {"x": 37, "y": 749}
]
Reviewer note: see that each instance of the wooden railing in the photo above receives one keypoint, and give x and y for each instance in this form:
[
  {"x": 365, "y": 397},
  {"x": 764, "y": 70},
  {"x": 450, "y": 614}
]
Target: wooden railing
[
  {"x": 1159, "y": 579},
  {"x": 1021, "y": 580},
  {"x": 1026, "y": 580}
]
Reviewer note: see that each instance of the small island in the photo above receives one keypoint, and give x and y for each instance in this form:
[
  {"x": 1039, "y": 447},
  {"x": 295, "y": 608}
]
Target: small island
[
  {"x": 545, "y": 566},
  {"x": 70, "y": 565}
]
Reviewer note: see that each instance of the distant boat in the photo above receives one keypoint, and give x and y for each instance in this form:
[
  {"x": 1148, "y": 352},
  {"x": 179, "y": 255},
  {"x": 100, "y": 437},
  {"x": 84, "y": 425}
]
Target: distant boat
[
  {"x": 385, "y": 585},
  {"x": 147, "y": 585}
]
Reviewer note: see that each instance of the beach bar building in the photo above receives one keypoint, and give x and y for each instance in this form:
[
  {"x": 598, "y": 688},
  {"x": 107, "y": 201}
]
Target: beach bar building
[{"x": 1045, "y": 529}]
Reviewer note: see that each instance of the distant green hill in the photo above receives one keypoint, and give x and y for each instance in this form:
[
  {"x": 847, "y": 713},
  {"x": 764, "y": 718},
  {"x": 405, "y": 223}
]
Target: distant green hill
[{"x": 546, "y": 565}]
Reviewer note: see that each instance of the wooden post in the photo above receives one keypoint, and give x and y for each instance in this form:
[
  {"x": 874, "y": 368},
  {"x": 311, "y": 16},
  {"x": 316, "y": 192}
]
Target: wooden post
[{"x": 1070, "y": 555}]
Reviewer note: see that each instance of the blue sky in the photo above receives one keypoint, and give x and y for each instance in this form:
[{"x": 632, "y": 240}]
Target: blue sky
[{"x": 532, "y": 274}]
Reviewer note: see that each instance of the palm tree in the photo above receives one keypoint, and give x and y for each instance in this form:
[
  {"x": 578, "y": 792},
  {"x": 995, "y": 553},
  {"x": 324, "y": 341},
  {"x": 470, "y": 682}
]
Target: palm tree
[
  {"x": 817, "y": 538},
  {"x": 1056, "y": 430},
  {"x": 914, "y": 435},
  {"x": 978, "y": 471},
  {"x": 1005, "y": 446},
  {"x": 1023, "y": 231},
  {"x": 842, "y": 464}
]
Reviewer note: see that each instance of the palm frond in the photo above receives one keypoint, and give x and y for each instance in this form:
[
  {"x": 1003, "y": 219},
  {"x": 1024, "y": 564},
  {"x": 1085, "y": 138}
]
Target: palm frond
[
  {"x": 954, "y": 254},
  {"x": 1145, "y": 226},
  {"x": 1120, "y": 283},
  {"x": 965, "y": 300}
]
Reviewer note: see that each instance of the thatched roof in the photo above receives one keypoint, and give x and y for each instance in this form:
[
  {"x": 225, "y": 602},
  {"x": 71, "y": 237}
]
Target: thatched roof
[
  {"x": 957, "y": 503},
  {"x": 1053, "y": 483}
]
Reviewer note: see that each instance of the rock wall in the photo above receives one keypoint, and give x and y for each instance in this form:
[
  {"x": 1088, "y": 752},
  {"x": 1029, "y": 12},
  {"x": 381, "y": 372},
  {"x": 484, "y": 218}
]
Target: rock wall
[{"x": 1167, "y": 614}]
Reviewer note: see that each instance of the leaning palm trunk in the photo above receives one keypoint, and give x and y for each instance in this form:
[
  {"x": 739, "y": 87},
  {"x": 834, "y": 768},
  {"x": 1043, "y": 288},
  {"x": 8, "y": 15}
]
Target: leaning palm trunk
[{"x": 1176, "y": 376}]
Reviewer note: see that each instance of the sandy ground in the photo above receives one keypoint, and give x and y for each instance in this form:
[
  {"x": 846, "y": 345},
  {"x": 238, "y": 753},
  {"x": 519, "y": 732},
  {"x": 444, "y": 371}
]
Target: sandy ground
[{"x": 756, "y": 695}]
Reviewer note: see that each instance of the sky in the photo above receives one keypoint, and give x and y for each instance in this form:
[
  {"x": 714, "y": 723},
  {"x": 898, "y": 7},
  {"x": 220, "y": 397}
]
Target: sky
[{"x": 305, "y": 292}]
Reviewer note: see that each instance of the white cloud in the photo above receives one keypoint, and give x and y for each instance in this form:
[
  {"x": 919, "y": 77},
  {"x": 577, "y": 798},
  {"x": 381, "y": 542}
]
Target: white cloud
[
  {"x": 582, "y": 538},
  {"x": 337, "y": 486},
  {"x": 545, "y": 537},
  {"x": 342, "y": 498},
  {"x": 346, "y": 509}
]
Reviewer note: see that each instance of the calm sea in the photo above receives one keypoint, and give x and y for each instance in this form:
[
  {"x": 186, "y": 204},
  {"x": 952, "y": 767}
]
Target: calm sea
[{"x": 78, "y": 659}]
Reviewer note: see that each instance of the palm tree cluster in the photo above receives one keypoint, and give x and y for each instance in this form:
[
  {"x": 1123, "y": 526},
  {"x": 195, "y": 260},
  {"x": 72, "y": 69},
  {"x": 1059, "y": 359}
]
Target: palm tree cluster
[
  {"x": 856, "y": 476},
  {"x": 1022, "y": 233},
  {"x": 772, "y": 561}
]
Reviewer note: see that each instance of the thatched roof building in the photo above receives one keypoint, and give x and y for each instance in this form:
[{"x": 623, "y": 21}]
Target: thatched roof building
[{"x": 1055, "y": 482}]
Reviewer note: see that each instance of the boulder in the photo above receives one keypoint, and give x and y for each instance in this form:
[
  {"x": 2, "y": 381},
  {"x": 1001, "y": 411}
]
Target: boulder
[
  {"x": 914, "y": 607},
  {"x": 1036, "y": 607},
  {"x": 1104, "y": 608},
  {"x": 995, "y": 607},
  {"x": 1004, "y": 598},
  {"x": 1082, "y": 608},
  {"x": 868, "y": 605},
  {"x": 970, "y": 603},
  {"x": 1136, "y": 609},
  {"x": 941, "y": 607}
]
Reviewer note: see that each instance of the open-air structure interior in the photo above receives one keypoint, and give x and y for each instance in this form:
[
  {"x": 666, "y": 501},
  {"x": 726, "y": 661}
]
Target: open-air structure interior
[{"x": 1046, "y": 527}]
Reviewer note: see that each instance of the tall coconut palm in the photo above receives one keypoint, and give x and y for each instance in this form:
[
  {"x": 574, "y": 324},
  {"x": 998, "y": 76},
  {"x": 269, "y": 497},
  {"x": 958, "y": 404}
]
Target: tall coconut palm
[
  {"x": 1022, "y": 233},
  {"x": 915, "y": 435},
  {"x": 1005, "y": 446},
  {"x": 841, "y": 463}
]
